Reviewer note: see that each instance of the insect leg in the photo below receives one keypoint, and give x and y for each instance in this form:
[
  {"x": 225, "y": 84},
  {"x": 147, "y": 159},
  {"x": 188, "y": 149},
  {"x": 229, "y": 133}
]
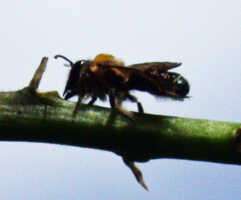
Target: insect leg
[
  {"x": 116, "y": 106},
  {"x": 134, "y": 99},
  {"x": 77, "y": 105},
  {"x": 92, "y": 101},
  {"x": 112, "y": 101}
]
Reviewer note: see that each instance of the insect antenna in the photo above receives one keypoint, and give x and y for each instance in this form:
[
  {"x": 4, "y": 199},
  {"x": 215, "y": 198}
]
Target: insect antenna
[{"x": 60, "y": 56}]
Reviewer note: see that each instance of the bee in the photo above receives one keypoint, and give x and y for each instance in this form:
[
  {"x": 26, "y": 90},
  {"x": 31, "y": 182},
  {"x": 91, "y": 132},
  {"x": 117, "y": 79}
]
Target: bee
[{"x": 105, "y": 76}]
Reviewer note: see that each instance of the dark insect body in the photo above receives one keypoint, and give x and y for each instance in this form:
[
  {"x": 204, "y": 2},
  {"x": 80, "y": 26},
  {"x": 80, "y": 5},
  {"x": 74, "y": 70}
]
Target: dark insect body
[{"x": 106, "y": 76}]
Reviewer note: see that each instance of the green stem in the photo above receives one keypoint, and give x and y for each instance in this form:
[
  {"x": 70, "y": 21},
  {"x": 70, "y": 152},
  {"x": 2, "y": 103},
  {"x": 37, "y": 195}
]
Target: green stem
[{"x": 44, "y": 117}]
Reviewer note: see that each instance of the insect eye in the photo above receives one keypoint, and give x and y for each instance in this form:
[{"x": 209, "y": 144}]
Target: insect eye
[{"x": 82, "y": 62}]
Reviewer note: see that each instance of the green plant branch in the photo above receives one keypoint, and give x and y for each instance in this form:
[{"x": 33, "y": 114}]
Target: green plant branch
[
  {"x": 27, "y": 115},
  {"x": 150, "y": 137}
]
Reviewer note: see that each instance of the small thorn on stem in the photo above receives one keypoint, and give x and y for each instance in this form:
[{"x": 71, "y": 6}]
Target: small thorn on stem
[
  {"x": 34, "y": 83},
  {"x": 137, "y": 172}
]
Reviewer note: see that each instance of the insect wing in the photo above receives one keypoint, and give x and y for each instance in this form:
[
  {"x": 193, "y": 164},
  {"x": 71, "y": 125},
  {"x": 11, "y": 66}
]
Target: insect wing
[{"x": 160, "y": 66}]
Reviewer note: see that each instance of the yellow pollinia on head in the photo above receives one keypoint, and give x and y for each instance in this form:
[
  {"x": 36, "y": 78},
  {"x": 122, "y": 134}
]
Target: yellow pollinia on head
[{"x": 107, "y": 59}]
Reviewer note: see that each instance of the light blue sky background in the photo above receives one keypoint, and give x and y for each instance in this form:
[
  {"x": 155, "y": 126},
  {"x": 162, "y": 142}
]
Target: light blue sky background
[{"x": 203, "y": 35}]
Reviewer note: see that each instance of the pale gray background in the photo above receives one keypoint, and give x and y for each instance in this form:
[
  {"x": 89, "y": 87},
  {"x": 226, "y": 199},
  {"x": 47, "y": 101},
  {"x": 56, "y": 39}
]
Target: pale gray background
[{"x": 203, "y": 35}]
